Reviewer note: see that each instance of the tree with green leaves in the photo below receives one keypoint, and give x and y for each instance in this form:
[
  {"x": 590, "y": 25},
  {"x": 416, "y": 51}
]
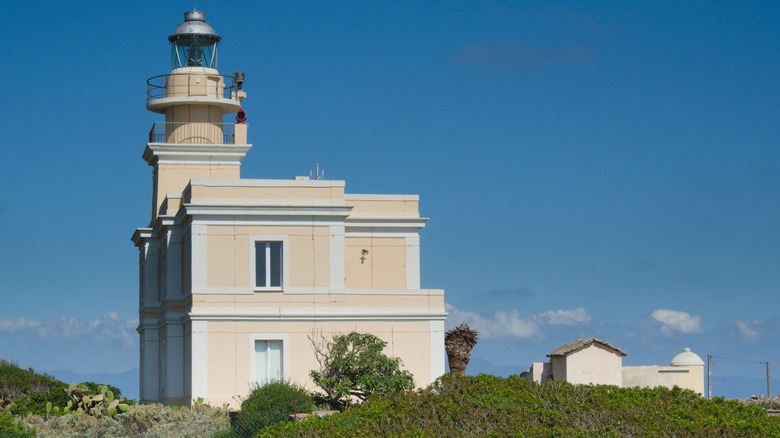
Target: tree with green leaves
[{"x": 353, "y": 365}]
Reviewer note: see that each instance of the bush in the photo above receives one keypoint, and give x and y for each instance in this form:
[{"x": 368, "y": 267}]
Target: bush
[
  {"x": 353, "y": 365},
  {"x": 492, "y": 406},
  {"x": 12, "y": 428},
  {"x": 94, "y": 388},
  {"x": 26, "y": 391},
  {"x": 144, "y": 421},
  {"x": 279, "y": 395},
  {"x": 270, "y": 404}
]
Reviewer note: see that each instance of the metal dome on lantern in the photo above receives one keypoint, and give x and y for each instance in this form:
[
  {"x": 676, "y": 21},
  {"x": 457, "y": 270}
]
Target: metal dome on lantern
[{"x": 194, "y": 43}]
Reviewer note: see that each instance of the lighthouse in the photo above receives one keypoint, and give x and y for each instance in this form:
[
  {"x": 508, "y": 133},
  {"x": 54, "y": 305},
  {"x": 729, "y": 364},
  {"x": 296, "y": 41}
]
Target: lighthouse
[
  {"x": 239, "y": 277},
  {"x": 194, "y": 141}
]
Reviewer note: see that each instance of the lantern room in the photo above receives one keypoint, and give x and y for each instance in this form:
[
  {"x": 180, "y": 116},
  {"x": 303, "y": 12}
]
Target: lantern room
[{"x": 194, "y": 43}]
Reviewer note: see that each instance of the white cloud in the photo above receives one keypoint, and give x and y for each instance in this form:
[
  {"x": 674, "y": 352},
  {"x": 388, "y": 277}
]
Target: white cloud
[
  {"x": 567, "y": 317},
  {"x": 16, "y": 323},
  {"x": 512, "y": 324},
  {"x": 677, "y": 321},
  {"x": 747, "y": 332},
  {"x": 109, "y": 327}
]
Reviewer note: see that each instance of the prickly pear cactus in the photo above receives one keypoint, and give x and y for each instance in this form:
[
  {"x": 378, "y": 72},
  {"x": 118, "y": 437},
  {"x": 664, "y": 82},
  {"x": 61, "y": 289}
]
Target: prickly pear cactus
[{"x": 96, "y": 405}]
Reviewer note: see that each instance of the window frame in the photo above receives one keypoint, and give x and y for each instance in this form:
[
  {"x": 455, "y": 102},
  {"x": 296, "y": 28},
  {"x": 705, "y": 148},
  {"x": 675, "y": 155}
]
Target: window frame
[
  {"x": 253, "y": 339},
  {"x": 254, "y": 240}
]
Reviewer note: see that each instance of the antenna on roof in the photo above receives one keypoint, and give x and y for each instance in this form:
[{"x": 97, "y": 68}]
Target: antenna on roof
[{"x": 317, "y": 174}]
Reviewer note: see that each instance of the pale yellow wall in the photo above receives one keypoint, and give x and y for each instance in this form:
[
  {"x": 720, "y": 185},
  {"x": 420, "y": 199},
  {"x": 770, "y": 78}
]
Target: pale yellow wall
[
  {"x": 384, "y": 266},
  {"x": 229, "y": 350},
  {"x": 558, "y": 366},
  {"x": 694, "y": 380},
  {"x": 228, "y": 254},
  {"x": 194, "y": 84},
  {"x": 193, "y": 113},
  {"x": 175, "y": 177},
  {"x": 539, "y": 372},
  {"x": 384, "y": 206},
  {"x": 687, "y": 377},
  {"x": 335, "y": 194},
  {"x": 351, "y": 300},
  {"x": 594, "y": 364}
]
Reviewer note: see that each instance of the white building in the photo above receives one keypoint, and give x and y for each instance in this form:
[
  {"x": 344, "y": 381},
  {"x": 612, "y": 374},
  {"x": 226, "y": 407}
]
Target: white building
[{"x": 593, "y": 361}]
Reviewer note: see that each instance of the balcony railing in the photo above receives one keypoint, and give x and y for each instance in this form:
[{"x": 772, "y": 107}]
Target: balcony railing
[
  {"x": 192, "y": 133},
  {"x": 189, "y": 84}
]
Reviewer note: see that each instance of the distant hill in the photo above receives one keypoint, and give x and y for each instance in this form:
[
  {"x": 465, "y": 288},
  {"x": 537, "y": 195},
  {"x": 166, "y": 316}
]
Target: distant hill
[
  {"x": 128, "y": 381},
  {"x": 481, "y": 366}
]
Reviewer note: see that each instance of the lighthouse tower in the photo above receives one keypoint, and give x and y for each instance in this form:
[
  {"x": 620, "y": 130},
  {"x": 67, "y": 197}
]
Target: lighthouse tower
[
  {"x": 239, "y": 277},
  {"x": 194, "y": 142}
]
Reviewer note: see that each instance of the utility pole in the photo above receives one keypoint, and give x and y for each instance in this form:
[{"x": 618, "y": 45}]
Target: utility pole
[
  {"x": 768, "y": 381},
  {"x": 709, "y": 376}
]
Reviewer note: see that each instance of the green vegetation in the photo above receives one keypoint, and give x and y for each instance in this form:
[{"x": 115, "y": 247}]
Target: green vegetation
[
  {"x": 90, "y": 403},
  {"x": 454, "y": 405},
  {"x": 144, "y": 421},
  {"x": 94, "y": 388},
  {"x": 12, "y": 427},
  {"x": 279, "y": 395},
  {"x": 269, "y": 404},
  {"x": 491, "y": 406},
  {"x": 353, "y": 365},
  {"x": 24, "y": 391}
]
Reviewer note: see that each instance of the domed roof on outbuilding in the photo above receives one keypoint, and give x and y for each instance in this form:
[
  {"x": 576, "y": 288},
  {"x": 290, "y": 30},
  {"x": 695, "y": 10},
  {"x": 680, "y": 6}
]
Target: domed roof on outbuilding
[{"x": 686, "y": 358}]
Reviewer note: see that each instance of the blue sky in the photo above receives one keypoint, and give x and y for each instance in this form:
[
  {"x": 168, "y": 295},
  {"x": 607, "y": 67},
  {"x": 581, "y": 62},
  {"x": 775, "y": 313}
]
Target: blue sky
[{"x": 607, "y": 169}]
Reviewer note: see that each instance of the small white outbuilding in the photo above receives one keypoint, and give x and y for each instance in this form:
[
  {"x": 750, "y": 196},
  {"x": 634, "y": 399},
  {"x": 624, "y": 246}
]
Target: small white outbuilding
[{"x": 597, "y": 362}]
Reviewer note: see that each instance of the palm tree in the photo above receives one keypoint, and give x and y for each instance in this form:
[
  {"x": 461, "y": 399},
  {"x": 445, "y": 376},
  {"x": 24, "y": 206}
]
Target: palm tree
[{"x": 459, "y": 342}]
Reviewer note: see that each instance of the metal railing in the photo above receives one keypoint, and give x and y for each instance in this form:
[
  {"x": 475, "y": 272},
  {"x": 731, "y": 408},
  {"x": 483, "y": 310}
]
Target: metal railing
[
  {"x": 192, "y": 133},
  {"x": 190, "y": 84}
]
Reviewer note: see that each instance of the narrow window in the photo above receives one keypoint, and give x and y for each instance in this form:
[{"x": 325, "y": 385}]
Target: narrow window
[
  {"x": 268, "y": 361},
  {"x": 268, "y": 264}
]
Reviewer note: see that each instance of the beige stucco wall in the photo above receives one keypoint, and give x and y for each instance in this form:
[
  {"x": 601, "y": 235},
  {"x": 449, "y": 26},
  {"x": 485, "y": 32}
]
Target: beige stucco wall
[
  {"x": 539, "y": 372},
  {"x": 595, "y": 364},
  {"x": 407, "y": 204},
  {"x": 196, "y": 83},
  {"x": 293, "y": 192},
  {"x": 687, "y": 377},
  {"x": 425, "y": 300},
  {"x": 175, "y": 177},
  {"x": 383, "y": 267},
  {"x": 230, "y": 349},
  {"x": 229, "y": 251}
]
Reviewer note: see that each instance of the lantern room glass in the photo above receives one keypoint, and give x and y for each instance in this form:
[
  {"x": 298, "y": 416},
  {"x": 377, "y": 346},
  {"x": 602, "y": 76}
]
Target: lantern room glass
[{"x": 194, "y": 52}]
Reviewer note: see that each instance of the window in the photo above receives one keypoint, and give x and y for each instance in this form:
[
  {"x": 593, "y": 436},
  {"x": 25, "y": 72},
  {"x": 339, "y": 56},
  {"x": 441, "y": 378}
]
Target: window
[
  {"x": 269, "y": 361},
  {"x": 268, "y": 265}
]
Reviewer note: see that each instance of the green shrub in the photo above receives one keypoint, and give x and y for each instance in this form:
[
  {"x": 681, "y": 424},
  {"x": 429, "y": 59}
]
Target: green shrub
[
  {"x": 279, "y": 396},
  {"x": 26, "y": 391},
  {"x": 492, "y": 406},
  {"x": 144, "y": 421},
  {"x": 247, "y": 425},
  {"x": 13, "y": 428},
  {"x": 94, "y": 388},
  {"x": 353, "y": 365},
  {"x": 269, "y": 404}
]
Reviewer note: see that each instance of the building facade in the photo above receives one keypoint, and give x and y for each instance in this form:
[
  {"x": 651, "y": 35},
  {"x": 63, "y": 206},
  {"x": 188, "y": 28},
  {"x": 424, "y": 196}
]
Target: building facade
[
  {"x": 593, "y": 361},
  {"x": 240, "y": 277}
]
